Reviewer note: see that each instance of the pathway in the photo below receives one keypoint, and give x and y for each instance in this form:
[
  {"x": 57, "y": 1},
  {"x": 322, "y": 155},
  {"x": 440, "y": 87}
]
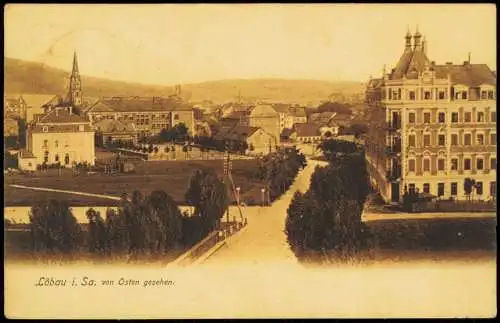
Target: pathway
[{"x": 264, "y": 239}]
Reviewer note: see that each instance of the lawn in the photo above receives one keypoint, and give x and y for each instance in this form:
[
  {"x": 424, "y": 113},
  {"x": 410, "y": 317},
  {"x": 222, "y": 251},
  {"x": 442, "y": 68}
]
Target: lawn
[{"x": 171, "y": 176}]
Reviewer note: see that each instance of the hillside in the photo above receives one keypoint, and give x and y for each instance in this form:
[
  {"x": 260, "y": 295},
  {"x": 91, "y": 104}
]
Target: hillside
[{"x": 36, "y": 78}]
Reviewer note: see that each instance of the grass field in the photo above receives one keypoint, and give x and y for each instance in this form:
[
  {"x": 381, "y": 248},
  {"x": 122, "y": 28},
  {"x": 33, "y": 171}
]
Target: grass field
[{"x": 171, "y": 176}]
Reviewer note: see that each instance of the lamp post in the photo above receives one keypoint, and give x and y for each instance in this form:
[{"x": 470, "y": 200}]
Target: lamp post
[
  {"x": 238, "y": 196},
  {"x": 262, "y": 191}
]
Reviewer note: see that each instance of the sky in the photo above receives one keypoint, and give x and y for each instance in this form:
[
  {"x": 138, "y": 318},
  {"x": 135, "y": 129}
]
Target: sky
[{"x": 187, "y": 43}]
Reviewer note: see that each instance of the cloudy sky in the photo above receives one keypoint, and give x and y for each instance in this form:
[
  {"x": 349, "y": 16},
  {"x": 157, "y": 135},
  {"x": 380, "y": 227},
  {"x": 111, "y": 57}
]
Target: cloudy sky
[{"x": 168, "y": 44}]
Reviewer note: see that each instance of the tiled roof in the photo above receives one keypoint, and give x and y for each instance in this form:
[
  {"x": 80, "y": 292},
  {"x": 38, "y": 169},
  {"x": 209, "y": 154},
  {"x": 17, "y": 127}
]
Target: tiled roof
[
  {"x": 402, "y": 65},
  {"x": 135, "y": 104},
  {"x": 472, "y": 75},
  {"x": 237, "y": 114},
  {"x": 236, "y": 133},
  {"x": 110, "y": 125},
  {"x": 307, "y": 130},
  {"x": 60, "y": 115},
  {"x": 281, "y": 107},
  {"x": 410, "y": 64}
]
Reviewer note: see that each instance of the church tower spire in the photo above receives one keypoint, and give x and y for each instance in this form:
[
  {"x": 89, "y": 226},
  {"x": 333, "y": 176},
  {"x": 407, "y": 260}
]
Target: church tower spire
[{"x": 75, "y": 85}]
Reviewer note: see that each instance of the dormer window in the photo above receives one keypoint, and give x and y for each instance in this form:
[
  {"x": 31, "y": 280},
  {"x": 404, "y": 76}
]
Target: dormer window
[
  {"x": 427, "y": 95},
  {"x": 45, "y": 129},
  {"x": 461, "y": 92},
  {"x": 412, "y": 95},
  {"x": 487, "y": 92},
  {"x": 442, "y": 95}
]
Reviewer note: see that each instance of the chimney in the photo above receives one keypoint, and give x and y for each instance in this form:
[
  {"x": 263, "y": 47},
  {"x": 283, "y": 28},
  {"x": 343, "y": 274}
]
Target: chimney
[
  {"x": 70, "y": 110},
  {"x": 468, "y": 59},
  {"x": 57, "y": 112}
]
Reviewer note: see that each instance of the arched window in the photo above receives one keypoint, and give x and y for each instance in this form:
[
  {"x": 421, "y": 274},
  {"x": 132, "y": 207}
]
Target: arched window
[
  {"x": 66, "y": 159},
  {"x": 56, "y": 158}
]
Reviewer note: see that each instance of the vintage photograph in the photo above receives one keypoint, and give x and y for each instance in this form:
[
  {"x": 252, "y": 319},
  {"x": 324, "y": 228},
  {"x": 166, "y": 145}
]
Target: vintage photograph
[{"x": 250, "y": 160}]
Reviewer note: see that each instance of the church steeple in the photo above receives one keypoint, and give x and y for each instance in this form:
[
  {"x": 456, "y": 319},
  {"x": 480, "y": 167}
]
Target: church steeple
[{"x": 75, "y": 85}]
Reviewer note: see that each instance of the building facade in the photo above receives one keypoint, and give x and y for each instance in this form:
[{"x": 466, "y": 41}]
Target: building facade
[
  {"x": 149, "y": 114},
  {"x": 432, "y": 126},
  {"x": 109, "y": 131},
  {"x": 61, "y": 136}
]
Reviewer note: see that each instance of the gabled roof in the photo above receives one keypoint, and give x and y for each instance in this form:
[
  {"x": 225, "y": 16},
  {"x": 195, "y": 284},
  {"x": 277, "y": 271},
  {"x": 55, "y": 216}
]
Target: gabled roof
[{"x": 60, "y": 115}]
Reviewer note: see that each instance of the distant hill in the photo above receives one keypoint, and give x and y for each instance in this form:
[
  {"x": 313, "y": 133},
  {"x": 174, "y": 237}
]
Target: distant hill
[{"x": 37, "y": 78}]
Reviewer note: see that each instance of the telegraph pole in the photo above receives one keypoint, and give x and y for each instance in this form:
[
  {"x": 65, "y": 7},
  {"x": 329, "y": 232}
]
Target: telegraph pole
[{"x": 228, "y": 180}]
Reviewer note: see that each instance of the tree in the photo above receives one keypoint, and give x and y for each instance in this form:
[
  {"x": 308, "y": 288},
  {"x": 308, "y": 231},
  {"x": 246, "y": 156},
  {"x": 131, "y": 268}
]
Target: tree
[
  {"x": 325, "y": 223},
  {"x": 22, "y": 125},
  {"x": 208, "y": 195},
  {"x": 97, "y": 233},
  {"x": 53, "y": 228},
  {"x": 357, "y": 129}
]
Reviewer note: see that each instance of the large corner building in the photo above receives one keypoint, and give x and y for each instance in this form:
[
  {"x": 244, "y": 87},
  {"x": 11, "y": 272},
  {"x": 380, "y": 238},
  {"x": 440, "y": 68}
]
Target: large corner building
[{"x": 432, "y": 126}]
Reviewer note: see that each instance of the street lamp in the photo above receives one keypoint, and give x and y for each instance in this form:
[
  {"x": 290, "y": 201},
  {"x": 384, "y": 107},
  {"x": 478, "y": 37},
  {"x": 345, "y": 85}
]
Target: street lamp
[
  {"x": 238, "y": 196},
  {"x": 262, "y": 191}
]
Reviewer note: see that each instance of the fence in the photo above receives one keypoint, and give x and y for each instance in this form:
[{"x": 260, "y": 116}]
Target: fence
[{"x": 454, "y": 206}]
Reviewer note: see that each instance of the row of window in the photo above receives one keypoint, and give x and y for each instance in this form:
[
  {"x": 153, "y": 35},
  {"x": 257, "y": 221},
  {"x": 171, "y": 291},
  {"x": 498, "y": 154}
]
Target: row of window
[
  {"x": 440, "y": 94},
  {"x": 56, "y": 158},
  {"x": 454, "y": 188},
  {"x": 480, "y": 117},
  {"x": 56, "y": 144},
  {"x": 441, "y": 139},
  {"x": 80, "y": 128},
  {"x": 441, "y": 164}
]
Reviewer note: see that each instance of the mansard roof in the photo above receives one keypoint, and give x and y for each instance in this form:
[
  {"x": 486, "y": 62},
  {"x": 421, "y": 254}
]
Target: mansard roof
[{"x": 472, "y": 75}]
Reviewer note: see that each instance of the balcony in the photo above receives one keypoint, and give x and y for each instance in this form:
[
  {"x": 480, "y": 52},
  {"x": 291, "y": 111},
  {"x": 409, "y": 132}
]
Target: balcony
[
  {"x": 393, "y": 150},
  {"x": 393, "y": 126}
]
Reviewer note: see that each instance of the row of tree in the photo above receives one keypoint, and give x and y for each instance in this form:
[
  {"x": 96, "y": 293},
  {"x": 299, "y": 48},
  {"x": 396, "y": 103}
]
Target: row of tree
[
  {"x": 279, "y": 169},
  {"x": 324, "y": 224},
  {"x": 143, "y": 226}
]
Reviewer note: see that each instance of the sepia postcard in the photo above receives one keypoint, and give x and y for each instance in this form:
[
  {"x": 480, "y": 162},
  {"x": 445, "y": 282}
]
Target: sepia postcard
[{"x": 250, "y": 161}]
